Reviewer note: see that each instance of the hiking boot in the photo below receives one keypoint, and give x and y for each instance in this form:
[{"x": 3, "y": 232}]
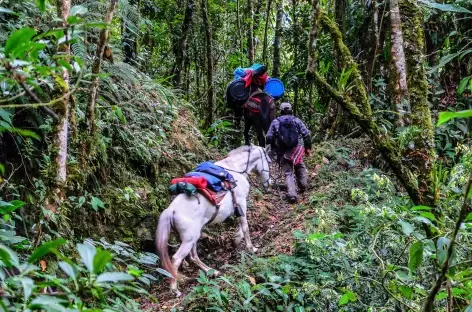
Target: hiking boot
[{"x": 292, "y": 199}]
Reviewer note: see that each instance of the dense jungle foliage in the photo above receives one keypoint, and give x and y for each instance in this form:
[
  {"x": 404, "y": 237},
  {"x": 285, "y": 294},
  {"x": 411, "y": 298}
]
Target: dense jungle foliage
[{"x": 104, "y": 101}]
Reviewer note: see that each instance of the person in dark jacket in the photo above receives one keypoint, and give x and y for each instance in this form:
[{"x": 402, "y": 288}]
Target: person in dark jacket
[{"x": 291, "y": 156}]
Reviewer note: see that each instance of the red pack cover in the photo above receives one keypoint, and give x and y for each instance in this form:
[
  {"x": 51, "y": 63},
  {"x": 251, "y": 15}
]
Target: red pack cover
[{"x": 198, "y": 182}]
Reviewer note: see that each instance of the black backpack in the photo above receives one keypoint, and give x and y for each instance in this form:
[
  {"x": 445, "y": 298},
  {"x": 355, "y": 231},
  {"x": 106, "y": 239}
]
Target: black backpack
[{"x": 288, "y": 133}]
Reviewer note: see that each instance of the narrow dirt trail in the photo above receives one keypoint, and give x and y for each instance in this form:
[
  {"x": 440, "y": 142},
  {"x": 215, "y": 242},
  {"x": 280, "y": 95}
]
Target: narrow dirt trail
[{"x": 271, "y": 221}]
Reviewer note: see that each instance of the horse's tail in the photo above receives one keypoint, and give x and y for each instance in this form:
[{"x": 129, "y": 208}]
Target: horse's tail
[
  {"x": 162, "y": 239},
  {"x": 266, "y": 112}
]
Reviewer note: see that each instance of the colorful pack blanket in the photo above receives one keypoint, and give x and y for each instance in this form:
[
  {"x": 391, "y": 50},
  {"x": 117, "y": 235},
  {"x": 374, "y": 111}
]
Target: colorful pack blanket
[
  {"x": 256, "y": 74},
  {"x": 210, "y": 180},
  {"x": 217, "y": 171}
]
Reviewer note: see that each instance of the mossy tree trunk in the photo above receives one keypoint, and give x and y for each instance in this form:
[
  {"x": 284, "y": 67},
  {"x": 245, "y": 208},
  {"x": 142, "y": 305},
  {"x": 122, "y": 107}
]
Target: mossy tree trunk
[
  {"x": 61, "y": 135},
  {"x": 96, "y": 68},
  {"x": 346, "y": 61},
  {"x": 357, "y": 105},
  {"x": 311, "y": 64},
  {"x": 423, "y": 154}
]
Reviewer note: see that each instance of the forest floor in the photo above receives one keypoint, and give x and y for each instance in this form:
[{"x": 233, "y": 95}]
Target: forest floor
[{"x": 271, "y": 222}]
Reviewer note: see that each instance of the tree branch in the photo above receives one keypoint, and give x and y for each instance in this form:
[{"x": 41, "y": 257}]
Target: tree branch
[
  {"x": 429, "y": 302},
  {"x": 380, "y": 139},
  {"x": 33, "y": 96}
]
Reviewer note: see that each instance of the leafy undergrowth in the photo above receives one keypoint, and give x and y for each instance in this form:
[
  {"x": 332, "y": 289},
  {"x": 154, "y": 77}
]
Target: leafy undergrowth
[{"x": 354, "y": 243}]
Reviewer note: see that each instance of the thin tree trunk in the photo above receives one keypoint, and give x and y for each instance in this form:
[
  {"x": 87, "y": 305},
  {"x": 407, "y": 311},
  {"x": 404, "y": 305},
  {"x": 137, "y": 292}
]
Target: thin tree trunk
[
  {"x": 181, "y": 51},
  {"x": 266, "y": 29},
  {"x": 311, "y": 64},
  {"x": 398, "y": 72},
  {"x": 240, "y": 34},
  {"x": 61, "y": 135},
  {"x": 250, "y": 31},
  {"x": 210, "y": 62},
  {"x": 378, "y": 27},
  {"x": 96, "y": 67},
  {"x": 197, "y": 67},
  {"x": 256, "y": 24},
  {"x": 339, "y": 14},
  {"x": 295, "y": 33},
  {"x": 278, "y": 39}
]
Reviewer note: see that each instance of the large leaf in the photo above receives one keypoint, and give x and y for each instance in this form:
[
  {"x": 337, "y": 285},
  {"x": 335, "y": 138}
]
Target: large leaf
[
  {"x": 87, "y": 253},
  {"x": 469, "y": 217},
  {"x": 49, "y": 303},
  {"x": 421, "y": 208},
  {"x": 5, "y": 10},
  {"x": 45, "y": 249},
  {"x": 442, "y": 247},
  {"x": 114, "y": 277},
  {"x": 68, "y": 269},
  {"x": 165, "y": 273},
  {"x": 100, "y": 260},
  {"x": 407, "y": 228},
  {"x": 7, "y": 207},
  {"x": 5, "y": 115},
  {"x": 19, "y": 38},
  {"x": 28, "y": 286},
  {"x": 444, "y": 7},
  {"x": 416, "y": 256},
  {"x": 348, "y": 296},
  {"x": 462, "y": 85},
  {"x": 9, "y": 257},
  {"x": 78, "y": 10},
  {"x": 446, "y": 116},
  {"x": 96, "y": 203},
  {"x": 22, "y": 132},
  {"x": 41, "y": 5},
  {"x": 2, "y": 169},
  {"x": 443, "y": 61},
  {"x": 406, "y": 291}
]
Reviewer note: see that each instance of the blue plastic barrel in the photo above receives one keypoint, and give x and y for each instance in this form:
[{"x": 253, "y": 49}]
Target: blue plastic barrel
[{"x": 275, "y": 87}]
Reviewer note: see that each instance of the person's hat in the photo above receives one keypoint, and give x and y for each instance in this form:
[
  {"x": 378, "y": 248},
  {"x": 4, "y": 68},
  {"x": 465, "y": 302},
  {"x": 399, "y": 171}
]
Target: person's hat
[{"x": 285, "y": 106}]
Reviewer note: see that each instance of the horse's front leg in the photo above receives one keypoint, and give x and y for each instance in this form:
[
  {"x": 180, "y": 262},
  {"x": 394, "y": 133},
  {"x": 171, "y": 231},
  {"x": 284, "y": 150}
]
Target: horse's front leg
[
  {"x": 247, "y": 237},
  {"x": 196, "y": 260},
  {"x": 245, "y": 228}
]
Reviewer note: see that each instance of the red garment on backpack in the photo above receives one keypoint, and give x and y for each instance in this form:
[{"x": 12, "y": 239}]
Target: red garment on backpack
[{"x": 198, "y": 182}]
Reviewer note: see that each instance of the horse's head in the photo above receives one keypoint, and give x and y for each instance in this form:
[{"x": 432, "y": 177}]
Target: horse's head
[{"x": 263, "y": 166}]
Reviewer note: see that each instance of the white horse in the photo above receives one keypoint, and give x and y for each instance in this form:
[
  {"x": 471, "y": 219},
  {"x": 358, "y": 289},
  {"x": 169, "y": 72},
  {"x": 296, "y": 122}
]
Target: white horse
[{"x": 188, "y": 215}]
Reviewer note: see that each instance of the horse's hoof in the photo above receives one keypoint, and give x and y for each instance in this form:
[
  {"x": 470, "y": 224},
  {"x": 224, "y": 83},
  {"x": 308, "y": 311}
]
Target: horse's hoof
[
  {"x": 216, "y": 273},
  {"x": 236, "y": 243},
  {"x": 177, "y": 293},
  {"x": 253, "y": 249}
]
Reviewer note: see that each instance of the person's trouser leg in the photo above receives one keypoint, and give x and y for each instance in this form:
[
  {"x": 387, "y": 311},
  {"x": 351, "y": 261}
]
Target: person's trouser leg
[
  {"x": 301, "y": 174},
  {"x": 287, "y": 167}
]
